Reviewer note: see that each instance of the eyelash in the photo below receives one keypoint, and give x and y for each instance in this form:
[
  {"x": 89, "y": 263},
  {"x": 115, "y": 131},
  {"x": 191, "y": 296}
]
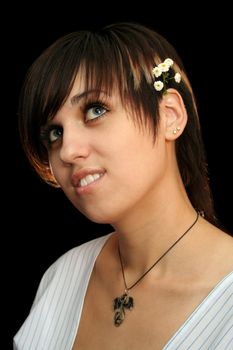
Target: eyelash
[
  {"x": 94, "y": 104},
  {"x": 45, "y": 134},
  {"x": 46, "y": 131}
]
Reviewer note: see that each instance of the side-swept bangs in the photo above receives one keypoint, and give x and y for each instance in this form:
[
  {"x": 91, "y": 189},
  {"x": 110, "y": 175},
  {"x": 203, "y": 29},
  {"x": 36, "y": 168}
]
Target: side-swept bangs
[{"x": 119, "y": 56}]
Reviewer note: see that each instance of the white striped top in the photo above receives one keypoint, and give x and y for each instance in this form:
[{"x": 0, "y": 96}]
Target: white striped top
[{"x": 55, "y": 314}]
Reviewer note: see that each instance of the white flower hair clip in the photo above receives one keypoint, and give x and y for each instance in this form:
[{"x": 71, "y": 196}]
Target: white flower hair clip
[{"x": 162, "y": 70}]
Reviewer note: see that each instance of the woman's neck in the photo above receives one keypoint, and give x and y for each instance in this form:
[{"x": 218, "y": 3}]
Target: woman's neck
[
  {"x": 144, "y": 241},
  {"x": 154, "y": 224}
]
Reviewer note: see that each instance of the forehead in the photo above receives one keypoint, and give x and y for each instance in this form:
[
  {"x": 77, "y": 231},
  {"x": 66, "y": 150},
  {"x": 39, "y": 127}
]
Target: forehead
[{"x": 84, "y": 88}]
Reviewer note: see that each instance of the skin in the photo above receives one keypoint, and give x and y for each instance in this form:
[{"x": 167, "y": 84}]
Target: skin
[
  {"x": 142, "y": 196},
  {"x": 112, "y": 145}
]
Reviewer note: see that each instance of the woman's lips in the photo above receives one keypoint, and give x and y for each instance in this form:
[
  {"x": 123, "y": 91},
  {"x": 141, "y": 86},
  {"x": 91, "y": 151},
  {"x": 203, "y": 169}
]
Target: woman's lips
[{"x": 85, "y": 177}]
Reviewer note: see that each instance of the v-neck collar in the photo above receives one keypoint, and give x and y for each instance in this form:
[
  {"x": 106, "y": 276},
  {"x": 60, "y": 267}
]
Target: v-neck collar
[{"x": 185, "y": 328}]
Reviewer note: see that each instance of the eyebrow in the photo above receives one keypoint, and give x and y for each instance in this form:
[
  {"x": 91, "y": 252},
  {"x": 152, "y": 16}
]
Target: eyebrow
[{"x": 76, "y": 98}]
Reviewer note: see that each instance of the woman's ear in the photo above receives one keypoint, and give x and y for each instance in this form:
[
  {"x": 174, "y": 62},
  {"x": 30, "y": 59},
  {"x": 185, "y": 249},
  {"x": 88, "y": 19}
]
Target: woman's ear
[{"x": 173, "y": 114}]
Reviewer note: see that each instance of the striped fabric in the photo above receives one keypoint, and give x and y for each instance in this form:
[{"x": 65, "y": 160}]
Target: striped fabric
[
  {"x": 55, "y": 314},
  {"x": 210, "y": 326}
]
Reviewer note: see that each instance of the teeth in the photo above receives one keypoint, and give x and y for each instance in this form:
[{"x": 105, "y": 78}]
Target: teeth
[{"x": 89, "y": 179}]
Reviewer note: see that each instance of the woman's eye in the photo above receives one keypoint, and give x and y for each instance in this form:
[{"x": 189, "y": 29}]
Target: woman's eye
[
  {"x": 54, "y": 134},
  {"x": 95, "y": 111}
]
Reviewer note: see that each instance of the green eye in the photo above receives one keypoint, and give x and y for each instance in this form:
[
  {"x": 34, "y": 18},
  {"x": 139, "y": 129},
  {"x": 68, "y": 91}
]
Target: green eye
[
  {"x": 54, "y": 134},
  {"x": 95, "y": 111}
]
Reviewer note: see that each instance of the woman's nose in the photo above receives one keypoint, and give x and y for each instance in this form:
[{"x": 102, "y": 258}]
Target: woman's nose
[{"x": 75, "y": 144}]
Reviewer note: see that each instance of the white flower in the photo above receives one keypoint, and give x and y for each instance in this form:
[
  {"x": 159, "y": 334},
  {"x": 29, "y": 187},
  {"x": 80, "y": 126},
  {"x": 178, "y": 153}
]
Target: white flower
[
  {"x": 157, "y": 71},
  {"x": 177, "y": 77},
  {"x": 158, "y": 85},
  {"x": 162, "y": 70},
  {"x": 164, "y": 67},
  {"x": 169, "y": 62}
]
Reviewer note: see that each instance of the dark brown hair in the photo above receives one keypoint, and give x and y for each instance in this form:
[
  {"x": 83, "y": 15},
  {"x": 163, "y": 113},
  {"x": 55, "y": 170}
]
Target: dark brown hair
[{"x": 121, "y": 55}]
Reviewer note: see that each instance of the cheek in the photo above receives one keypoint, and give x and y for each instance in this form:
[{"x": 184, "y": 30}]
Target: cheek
[
  {"x": 141, "y": 155},
  {"x": 57, "y": 170},
  {"x": 140, "y": 164}
]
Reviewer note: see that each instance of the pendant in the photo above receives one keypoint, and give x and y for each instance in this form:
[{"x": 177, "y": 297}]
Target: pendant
[{"x": 119, "y": 306}]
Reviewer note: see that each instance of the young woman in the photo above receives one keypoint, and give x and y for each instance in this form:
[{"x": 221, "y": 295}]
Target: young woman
[{"x": 110, "y": 117}]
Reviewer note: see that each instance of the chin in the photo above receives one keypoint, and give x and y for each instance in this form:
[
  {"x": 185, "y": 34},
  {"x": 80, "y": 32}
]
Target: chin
[
  {"x": 98, "y": 220},
  {"x": 97, "y": 217}
]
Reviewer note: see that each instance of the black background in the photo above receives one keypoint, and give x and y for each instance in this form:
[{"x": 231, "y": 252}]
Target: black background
[{"x": 43, "y": 224}]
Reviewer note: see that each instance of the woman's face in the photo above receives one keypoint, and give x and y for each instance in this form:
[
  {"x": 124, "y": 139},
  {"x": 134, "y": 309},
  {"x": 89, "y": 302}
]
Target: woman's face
[{"x": 106, "y": 165}]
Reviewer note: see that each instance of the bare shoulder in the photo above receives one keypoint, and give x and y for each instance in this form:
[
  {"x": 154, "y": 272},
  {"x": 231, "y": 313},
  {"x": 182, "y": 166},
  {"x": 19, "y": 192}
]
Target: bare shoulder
[
  {"x": 217, "y": 234},
  {"x": 219, "y": 246},
  {"x": 222, "y": 238}
]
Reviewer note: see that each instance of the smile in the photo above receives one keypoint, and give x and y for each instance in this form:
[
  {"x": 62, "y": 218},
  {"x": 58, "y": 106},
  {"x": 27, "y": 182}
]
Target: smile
[{"x": 87, "y": 180}]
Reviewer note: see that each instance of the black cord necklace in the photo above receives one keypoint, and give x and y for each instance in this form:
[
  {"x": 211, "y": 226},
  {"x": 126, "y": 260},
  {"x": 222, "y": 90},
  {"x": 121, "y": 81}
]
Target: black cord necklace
[{"x": 127, "y": 302}]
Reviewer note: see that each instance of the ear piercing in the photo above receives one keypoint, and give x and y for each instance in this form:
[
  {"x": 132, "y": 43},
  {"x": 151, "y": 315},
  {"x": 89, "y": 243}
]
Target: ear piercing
[{"x": 176, "y": 130}]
